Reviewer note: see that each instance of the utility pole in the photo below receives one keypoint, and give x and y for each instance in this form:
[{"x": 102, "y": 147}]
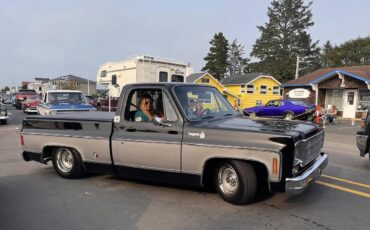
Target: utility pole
[
  {"x": 297, "y": 67},
  {"x": 88, "y": 84}
]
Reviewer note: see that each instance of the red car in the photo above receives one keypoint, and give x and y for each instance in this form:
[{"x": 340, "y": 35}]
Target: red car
[
  {"x": 102, "y": 104},
  {"x": 29, "y": 105},
  {"x": 22, "y": 95}
]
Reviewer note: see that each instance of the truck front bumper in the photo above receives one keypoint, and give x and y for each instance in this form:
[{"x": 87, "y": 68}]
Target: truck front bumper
[
  {"x": 298, "y": 184},
  {"x": 4, "y": 117},
  {"x": 361, "y": 140}
]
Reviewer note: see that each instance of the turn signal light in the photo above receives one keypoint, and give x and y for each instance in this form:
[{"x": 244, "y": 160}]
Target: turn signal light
[
  {"x": 22, "y": 140},
  {"x": 274, "y": 166}
]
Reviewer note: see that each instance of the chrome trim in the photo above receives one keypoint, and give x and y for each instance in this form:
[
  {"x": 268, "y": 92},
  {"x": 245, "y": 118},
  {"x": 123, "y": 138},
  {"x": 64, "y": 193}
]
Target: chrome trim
[
  {"x": 232, "y": 147},
  {"x": 146, "y": 141},
  {"x": 361, "y": 143},
  {"x": 150, "y": 168},
  {"x": 60, "y": 135},
  {"x": 307, "y": 160},
  {"x": 297, "y": 185},
  {"x": 97, "y": 162},
  {"x": 4, "y": 117}
]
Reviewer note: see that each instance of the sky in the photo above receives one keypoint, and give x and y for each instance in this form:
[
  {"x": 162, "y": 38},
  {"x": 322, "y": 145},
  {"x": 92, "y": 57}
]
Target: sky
[{"x": 50, "y": 38}]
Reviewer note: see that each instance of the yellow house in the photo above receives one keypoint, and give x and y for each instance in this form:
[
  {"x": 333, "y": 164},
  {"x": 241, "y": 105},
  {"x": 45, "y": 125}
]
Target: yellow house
[
  {"x": 207, "y": 78},
  {"x": 253, "y": 88}
]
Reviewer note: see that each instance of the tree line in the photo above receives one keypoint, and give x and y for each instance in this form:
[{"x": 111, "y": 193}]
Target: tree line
[{"x": 284, "y": 37}]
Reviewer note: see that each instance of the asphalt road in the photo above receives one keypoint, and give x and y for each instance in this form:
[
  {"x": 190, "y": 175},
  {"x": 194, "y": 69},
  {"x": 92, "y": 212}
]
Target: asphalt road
[{"x": 33, "y": 196}]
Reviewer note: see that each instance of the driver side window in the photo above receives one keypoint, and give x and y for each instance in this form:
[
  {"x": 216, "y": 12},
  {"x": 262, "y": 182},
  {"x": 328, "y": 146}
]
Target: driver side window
[{"x": 144, "y": 105}]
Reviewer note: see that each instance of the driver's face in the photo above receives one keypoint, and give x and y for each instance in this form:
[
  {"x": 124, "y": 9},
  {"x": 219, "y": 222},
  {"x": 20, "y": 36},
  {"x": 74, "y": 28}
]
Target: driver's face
[{"x": 147, "y": 104}]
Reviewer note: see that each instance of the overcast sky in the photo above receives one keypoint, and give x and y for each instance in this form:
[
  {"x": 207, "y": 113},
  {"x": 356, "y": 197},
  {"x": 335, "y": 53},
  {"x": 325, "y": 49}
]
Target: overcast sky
[{"x": 54, "y": 38}]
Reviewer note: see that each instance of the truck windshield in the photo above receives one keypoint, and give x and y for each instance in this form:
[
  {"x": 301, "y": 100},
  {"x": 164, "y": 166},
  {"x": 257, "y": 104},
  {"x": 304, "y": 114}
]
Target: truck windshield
[
  {"x": 65, "y": 98},
  {"x": 202, "y": 102}
]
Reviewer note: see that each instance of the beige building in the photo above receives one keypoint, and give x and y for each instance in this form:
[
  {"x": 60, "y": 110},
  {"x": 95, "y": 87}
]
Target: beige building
[
  {"x": 141, "y": 69},
  {"x": 71, "y": 82}
]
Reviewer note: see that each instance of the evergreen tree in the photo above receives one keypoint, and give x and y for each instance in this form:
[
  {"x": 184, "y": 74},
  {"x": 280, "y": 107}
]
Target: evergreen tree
[
  {"x": 329, "y": 57},
  {"x": 283, "y": 38},
  {"x": 236, "y": 63},
  {"x": 216, "y": 59}
]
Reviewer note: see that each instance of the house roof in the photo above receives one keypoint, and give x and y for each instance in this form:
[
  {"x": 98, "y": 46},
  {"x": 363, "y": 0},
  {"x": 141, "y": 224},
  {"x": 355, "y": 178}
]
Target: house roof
[
  {"x": 245, "y": 78},
  {"x": 193, "y": 77},
  {"x": 73, "y": 78},
  {"x": 357, "y": 72}
]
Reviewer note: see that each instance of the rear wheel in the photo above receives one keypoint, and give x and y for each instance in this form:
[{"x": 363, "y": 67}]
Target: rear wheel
[
  {"x": 67, "y": 162},
  {"x": 236, "y": 181},
  {"x": 288, "y": 116},
  {"x": 4, "y": 122}
]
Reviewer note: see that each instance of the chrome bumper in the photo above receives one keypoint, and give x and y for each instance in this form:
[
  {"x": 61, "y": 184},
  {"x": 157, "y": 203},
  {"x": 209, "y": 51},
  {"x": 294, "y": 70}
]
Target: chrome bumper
[
  {"x": 361, "y": 143},
  {"x": 298, "y": 184},
  {"x": 4, "y": 117}
]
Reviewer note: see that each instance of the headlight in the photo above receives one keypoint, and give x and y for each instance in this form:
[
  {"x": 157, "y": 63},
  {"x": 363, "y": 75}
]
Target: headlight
[{"x": 3, "y": 113}]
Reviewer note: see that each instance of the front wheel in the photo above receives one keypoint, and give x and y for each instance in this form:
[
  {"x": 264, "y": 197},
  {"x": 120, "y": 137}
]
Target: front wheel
[
  {"x": 252, "y": 114},
  {"x": 236, "y": 181},
  {"x": 67, "y": 162}
]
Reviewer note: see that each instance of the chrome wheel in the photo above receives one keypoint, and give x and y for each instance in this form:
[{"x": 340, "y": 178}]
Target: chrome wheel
[
  {"x": 288, "y": 117},
  {"x": 228, "y": 181},
  {"x": 64, "y": 160},
  {"x": 251, "y": 115}
]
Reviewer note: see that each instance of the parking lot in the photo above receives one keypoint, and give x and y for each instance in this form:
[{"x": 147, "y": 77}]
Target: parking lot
[{"x": 33, "y": 196}]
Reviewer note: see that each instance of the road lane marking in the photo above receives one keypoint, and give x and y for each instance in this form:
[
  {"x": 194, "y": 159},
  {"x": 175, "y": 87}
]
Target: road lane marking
[
  {"x": 344, "y": 189},
  {"x": 346, "y": 181}
]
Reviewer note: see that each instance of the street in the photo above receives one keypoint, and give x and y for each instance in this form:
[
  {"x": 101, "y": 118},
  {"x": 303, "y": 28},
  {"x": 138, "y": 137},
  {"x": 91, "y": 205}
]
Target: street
[{"x": 33, "y": 196}]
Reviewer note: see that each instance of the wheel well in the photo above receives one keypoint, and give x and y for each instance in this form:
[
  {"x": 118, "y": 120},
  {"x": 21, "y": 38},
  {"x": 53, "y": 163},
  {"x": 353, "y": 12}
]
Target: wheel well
[
  {"x": 286, "y": 112},
  {"x": 210, "y": 166}
]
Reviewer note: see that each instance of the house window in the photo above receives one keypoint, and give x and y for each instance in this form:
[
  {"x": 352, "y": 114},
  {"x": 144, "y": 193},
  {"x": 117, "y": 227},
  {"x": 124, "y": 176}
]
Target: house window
[
  {"x": 334, "y": 97},
  {"x": 263, "y": 89},
  {"x": 250, "y": 88},
  {"x": 205, "y": 80},
  {"x": 177, "y": 78},
  {"x": 103, "y": 73},
  {"x": 258, "y": 102},
  {"x": 364, "y": 99},
  {"x": 242, "y": 89},
  {"x": 276, "y": 90},
  {"x": 163, "y": 76}
]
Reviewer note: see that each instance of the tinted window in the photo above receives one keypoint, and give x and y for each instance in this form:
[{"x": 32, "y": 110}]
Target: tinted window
[
  {"x": 163, "y": 76},
  {"x": 177, "y": 78}
]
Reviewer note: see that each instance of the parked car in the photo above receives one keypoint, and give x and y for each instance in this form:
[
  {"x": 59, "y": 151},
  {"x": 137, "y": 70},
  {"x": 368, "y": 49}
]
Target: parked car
[
  {"x": 91, "y": 100},
  {"x": 102, "y": 104},
  {"x": 3, "y": 114},
  {"x": 59, "y": 101},
  {"x": 287, "y": 109},
  {"x": 22, "y": 95},
  {"x": 30, "y": 104},
  {"x": 215, "y": 147},
  {"x": 7, "y": 99},
  {"x": 362, "y": 138}
]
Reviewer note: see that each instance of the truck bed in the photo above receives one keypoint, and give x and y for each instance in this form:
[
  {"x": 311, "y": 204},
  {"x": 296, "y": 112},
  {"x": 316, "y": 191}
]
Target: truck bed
[{"x": 87, "y": 132}]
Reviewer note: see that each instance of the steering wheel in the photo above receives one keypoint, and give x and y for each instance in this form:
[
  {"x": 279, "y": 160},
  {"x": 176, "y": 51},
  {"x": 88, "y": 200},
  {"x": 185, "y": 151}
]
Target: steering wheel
[{"x": 205, "y": 112}]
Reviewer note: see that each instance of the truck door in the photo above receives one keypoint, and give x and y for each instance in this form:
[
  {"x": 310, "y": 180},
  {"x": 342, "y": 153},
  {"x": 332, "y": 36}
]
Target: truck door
[{"x": 141, "y": 145}]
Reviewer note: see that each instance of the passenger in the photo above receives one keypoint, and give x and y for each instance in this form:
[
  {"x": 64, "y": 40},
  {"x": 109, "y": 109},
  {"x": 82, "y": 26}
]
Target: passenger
[{"x": 145, "y": 113}]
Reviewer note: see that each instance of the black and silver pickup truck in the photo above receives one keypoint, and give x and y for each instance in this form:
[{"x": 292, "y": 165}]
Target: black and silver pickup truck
[
  {"x": 192, "y": 136},
  {"x": 362, "y": 138}
]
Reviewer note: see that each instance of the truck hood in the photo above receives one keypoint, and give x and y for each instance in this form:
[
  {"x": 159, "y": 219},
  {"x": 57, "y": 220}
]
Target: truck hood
[{"x": 281, "y": 127}]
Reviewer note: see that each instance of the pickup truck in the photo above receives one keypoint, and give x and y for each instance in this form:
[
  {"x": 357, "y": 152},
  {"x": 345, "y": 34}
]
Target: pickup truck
[
  {"x": 61, "y": 101},
  {"x": 362, "y": 138},
  {"x": 22, "y": 95},
  {"x": 206, "y": 145}
]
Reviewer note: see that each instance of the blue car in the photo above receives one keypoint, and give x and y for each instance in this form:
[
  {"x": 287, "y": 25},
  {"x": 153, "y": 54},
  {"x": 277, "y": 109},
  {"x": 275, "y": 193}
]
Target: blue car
[
  {"x": 287, "y": 109},
  {"x": 59, "y": 101}
]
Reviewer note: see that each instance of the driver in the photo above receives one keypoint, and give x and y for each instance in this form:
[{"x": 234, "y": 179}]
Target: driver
[{"x": 145, "y": 114}]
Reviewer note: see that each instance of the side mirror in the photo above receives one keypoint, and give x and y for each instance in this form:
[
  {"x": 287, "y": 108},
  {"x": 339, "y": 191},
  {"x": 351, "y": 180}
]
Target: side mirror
[{"x": 158, "y": 121}]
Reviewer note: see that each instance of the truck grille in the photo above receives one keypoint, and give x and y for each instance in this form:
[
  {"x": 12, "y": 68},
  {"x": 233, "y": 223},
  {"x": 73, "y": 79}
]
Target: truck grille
[{"x": 308, "y": 149}]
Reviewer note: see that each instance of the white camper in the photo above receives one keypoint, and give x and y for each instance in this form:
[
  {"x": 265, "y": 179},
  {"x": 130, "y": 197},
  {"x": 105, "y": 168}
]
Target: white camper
[{"x": 140, "y": 69}]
